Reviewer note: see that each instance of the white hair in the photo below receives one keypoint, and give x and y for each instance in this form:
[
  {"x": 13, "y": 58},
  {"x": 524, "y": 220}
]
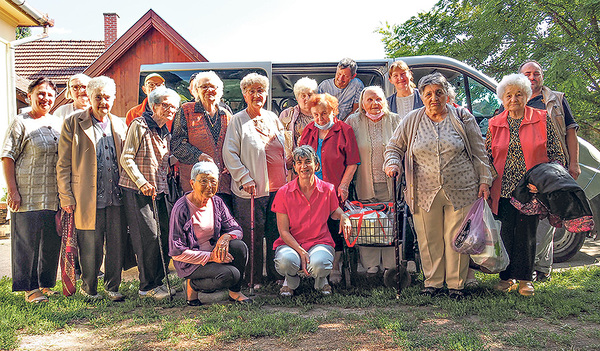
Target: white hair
[
  {"x": 254, "y": 78},
  {"x": 305, "y": 84},
  {"x": 213, "y": 78},
  {"x": 204, "y": 167},
  {"x": 101, "y": 83},
  {"x": 158, "y": 95},
  {"x": 516, "y": 79},
  {"x": 377, "y": 90}
]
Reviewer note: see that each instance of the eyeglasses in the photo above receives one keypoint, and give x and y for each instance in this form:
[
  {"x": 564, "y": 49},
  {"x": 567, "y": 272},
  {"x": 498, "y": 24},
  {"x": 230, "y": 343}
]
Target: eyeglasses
[
  {"x": 152, "y": 85},
  {"x": 259, "y": 91},
  {"x": 207, "y": 87},
  {"x": 78, "y": 87},
  {"x": 167, "y": 106},
  {"x": 204, "y": 181}
]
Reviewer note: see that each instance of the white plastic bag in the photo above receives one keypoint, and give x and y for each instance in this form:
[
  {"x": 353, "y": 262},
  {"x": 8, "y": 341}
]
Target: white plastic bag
[
  {"x": 493, "y": 258},
  {"x": 470, "y": 237}
]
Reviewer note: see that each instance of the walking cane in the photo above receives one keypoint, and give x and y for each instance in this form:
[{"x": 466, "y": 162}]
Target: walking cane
[
  {"x": 396, "y": 238},
  {"x": 252, "y": 244},
  {"x": 160, "y": 247}
]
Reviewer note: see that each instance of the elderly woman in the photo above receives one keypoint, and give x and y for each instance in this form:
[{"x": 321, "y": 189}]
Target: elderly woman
[
  {"x": 518, "y": 139},
  {"x": 254, "y": 155},
  {"x": 446, "y": 169},
  {"x": 88, "y": 174},
  {"x": 199, "y": 132},
  {"x": 76, "y": 86},
  {"x": 373, "y": 126},
  {"x": 337, "y": 151},
  {"x": 204, "y": 239},
  {"x": 145, "y": 160},
  {"x": 407, "y": 96},
  {"x": 296, "y": 118},
  {"x": 28, "y": 159},
  {"x": 303, "y": 207}
]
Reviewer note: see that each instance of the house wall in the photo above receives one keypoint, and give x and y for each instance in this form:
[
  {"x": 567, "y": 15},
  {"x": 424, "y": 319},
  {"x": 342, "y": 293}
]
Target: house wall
[
  {"x": 151, "y": 48},
  {"x": 7, "y": 84}
]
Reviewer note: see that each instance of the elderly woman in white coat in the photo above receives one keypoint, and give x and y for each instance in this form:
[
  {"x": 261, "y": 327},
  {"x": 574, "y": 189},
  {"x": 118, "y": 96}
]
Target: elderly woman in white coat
[
  {"x": 373, "y": 126},
  {"x": 254, "y": 154},
  {"x": 446, "y": 169}
]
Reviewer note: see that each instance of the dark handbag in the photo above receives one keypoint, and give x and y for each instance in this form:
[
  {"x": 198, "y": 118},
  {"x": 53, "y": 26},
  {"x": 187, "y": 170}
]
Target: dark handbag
[{"x": 174, "y": 185}]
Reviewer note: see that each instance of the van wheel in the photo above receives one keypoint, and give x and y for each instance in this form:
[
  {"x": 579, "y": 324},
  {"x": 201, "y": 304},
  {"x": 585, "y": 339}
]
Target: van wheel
[{"x": 567, "y": 244}]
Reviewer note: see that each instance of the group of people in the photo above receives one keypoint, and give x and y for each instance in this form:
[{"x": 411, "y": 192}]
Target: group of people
[{"x": 285, "y": 178}]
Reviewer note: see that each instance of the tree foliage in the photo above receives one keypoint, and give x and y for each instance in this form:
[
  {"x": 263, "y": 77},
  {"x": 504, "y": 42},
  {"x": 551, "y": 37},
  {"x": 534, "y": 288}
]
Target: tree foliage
[
  {"x": 23, "y": 32},
  {"x": 496, "y": 36}
]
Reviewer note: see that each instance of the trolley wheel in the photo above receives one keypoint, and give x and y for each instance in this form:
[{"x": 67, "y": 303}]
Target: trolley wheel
[{"x": 390, "y": 280}]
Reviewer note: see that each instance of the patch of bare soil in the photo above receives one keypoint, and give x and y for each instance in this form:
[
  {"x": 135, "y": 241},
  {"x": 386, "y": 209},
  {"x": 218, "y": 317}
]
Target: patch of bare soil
[{"x": 331, "y": 335}]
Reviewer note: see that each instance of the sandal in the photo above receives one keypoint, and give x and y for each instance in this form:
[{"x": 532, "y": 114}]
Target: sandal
[
  {"x": 526, "y": 288},
  {"x": 35, "y": 296},
  {"x": 48, "y": 292},
  {"x": 241, "y": 299},
  {"x": 286, "y": 291},
  {"x": 190, "y": 293},
  {"x": 456, "y": 294},
  {"x": 506, "y": 285}
]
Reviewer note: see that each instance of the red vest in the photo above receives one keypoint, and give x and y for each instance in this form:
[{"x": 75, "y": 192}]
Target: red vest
[{"x": 533, "y": 137}]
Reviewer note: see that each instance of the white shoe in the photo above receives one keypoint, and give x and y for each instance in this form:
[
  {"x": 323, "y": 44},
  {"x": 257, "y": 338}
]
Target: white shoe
[
  {"x": 89, "y": 296},
  {"x": 115, "y": 295},
  {"x": 411, "y": 267},
  {"x": 173, "y": 291},
  {"x": 373, "y": 270}
]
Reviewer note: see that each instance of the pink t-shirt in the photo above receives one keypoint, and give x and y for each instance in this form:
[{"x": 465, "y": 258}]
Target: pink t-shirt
[
  {"x": 308, "y": 218},
  {"x": 203, "y": 223},
  {"x": 275, "y": 163}
]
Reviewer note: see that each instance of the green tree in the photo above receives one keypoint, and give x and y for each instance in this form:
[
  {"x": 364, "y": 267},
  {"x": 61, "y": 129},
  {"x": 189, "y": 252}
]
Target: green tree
[
  {"x": 496, "y": 36},
  {"x": 23, "y": 32}
]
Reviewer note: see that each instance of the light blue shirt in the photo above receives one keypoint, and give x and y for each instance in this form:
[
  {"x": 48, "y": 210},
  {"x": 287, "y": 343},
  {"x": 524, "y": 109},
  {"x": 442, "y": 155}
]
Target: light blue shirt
[{"x": 346, "y": 97}]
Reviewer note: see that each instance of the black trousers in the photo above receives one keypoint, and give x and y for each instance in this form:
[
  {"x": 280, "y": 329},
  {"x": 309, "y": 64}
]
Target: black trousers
[
  {"x": 265, "y": 226},
  {"x": 110, "y": 233},
  {"x": 144, "y": 236},
  {"x": 35, "y": 246},
  {"x": 216, "y": 276},
  {"x": 518, "y": 234}
]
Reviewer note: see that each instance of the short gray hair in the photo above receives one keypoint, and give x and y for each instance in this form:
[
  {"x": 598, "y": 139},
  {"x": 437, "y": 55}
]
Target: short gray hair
[
  {"x": 212, "y": 77},
  {"x": 84, "y": 78},
  {"x": 347, "y": 62},
  {"x": 516, "y": 79},
  {"x": 377, "y": 90},
  {"x": 451, "y": 94},
  {"x": 305, "y": 84},
  {"x": 99, "y": 83},
  {"x": 254, "y": 78},
  {"x": 434, "y": 79},
  {"x": 204, "y": 167},
  {"x": 159, "y": 94},
  {"x": 306, "y": 151}
]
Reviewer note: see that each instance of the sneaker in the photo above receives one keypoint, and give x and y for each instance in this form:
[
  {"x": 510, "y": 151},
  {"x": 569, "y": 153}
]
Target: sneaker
[
  {"x": 286, "y": 291},
  {"x": 173, "y": 290},
  {"x": 157, "y": 293},
  {"x": 35, "y": 296},
  {"x": 541, "y": 277},
  {"x": 373, "y": 270},
  {"x": 326, "y": 289},
  {"x": 90, "y": 296},
  {"x": 115, "y": 295},
  {"x": 411, "y": 267},
  {"x": 48, "y": 292}
]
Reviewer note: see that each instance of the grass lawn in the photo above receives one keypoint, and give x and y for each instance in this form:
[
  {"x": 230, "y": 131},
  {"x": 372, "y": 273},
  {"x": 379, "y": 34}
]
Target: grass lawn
[{"x": 564, "y": 314}]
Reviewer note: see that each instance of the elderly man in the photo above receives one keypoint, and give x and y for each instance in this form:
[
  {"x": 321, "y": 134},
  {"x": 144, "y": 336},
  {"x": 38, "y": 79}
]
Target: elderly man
[
  {"x": 145, "y": 160},
  {"x": 88, "y": 171},
  {"x": 558, "y": 108},
  {"x": 345, "y": 87},
  {"x": 152, "y": 81}
]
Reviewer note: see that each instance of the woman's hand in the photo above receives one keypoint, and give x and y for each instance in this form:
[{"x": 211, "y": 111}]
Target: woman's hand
[
  {"x": 214, "y": 257},
  {"x": 13, "y": 200},
  {"x": 342, "y": 192},
  {"x": 250, "y": 187},
  {"x": 484, "y": 191},
  {"x": 532, "y": 188},
  {"x": 345, "y": 226},
  {"x": 392, "y": 171},
  {"x": 222, "y": 247},
  {"x": 304, "y": 261},
  {"x": 69, "y": 208},
  {"x": 148, "y": 190}
]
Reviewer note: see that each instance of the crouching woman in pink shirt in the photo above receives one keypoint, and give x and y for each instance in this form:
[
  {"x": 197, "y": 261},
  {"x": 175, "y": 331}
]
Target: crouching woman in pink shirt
[
  {"x": 205, "y": 240},
  {"x": 303, "y": 207}
]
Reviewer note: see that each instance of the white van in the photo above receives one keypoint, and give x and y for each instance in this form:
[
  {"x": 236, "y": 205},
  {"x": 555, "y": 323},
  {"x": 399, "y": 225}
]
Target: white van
[{"x": 474, "y": 90}]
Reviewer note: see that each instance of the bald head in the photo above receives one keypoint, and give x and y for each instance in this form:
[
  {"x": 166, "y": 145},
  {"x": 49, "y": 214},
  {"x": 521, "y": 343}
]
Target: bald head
[{"x": 533, "y": 71}]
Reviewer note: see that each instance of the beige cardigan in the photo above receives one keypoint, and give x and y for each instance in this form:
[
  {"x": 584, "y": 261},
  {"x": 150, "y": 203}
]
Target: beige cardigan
[
  {"x": 364, "y": 173},
  {"x": 400, "y": 146},
  {"x": 244, "y": 152},
  {"x": 76, "y": 167}
]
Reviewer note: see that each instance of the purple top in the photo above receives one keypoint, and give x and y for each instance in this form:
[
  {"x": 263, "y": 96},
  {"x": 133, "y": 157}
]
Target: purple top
[{"x": 181, "y": 231}]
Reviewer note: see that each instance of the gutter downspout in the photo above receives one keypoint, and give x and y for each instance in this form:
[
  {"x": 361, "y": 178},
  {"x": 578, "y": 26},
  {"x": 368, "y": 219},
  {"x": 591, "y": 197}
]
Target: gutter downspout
[{"x": 35, "y": 14}]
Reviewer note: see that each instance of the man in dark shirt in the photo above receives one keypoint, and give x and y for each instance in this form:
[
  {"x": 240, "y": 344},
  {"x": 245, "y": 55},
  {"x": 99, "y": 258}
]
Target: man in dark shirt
[{"x": 558, "y": 109}]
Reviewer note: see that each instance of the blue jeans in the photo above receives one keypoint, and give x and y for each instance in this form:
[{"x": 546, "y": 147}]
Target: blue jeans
[{"x": 288, "y": 263}]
